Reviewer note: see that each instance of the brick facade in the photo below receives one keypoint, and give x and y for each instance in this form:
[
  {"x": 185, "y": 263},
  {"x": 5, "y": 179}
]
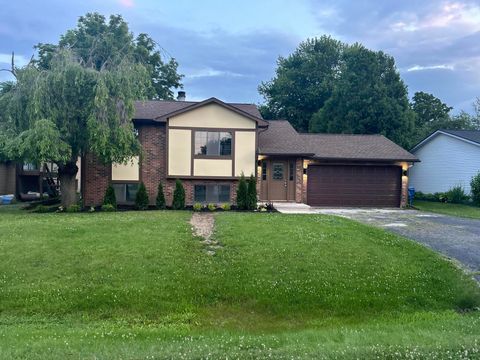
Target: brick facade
[
  {"x": 95, "y": 179},
  {"x": 153, "y": 164},
  {"x": 189, "y": 186}
]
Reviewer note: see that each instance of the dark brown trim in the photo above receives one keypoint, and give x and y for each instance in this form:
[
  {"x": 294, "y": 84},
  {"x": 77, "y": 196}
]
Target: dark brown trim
[
  {"x": 202, "y": 128},
  {"x": 212, "y": 100},
  {"x": 362, "y": 159},
  {"x": 213, "y": 157},
  {"x": 125, "y": 182},
  {"x": 232, "y": 151},
  {"x": 202, "y": 177}
]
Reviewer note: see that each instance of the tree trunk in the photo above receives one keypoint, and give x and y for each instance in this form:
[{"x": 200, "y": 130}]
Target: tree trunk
[{"x": 68, "y": 189}]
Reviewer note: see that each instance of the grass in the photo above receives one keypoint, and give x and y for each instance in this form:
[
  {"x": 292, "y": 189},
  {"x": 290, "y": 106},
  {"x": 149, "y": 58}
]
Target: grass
[
  {"x": 460, "y": 210},
  {"x": 137, "y": 285}
]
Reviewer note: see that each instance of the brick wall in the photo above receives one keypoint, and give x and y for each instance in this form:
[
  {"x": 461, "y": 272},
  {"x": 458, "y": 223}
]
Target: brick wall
[
  {"x": 153, "y": 165},
  {"x": 95, "y": 179},
  {"x": 189, "y": 186}
]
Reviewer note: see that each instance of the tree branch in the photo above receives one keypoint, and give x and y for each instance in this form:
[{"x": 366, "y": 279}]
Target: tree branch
[{"x": 12, "y": 70}]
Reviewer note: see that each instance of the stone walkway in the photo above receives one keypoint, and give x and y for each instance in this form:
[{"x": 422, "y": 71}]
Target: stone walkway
[{"x": 203, "y": 225}]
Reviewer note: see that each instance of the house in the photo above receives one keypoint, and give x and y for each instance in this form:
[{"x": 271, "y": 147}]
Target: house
[
  {"x": 209, "y": 144},
  {"x": 27, "y": 181},
  {"x": 448, "y": 158}
]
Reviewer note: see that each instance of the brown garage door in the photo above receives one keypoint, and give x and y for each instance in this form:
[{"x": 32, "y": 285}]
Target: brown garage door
[{"x": 350, "y": 185}]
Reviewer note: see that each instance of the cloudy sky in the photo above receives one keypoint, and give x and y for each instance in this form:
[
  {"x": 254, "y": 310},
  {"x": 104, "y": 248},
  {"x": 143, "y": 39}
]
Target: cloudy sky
[{"x": 226, "y": 48}]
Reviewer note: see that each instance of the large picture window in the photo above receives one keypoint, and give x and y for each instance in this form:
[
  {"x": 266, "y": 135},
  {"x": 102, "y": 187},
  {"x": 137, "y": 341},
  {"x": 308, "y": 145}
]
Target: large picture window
[
  {"x": 212, "y": 193},
  {"x": 213, "y": 143},
  {"x": 125, "y": 193}
]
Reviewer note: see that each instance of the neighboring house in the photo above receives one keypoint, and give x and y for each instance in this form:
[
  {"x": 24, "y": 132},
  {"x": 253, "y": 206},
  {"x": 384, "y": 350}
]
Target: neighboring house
[
  {"x": 209, "y": 144},
  {"x": 7, "y": 178},
  {"x": 27, "y": 181},
  {"x": 448, "y": 158}
]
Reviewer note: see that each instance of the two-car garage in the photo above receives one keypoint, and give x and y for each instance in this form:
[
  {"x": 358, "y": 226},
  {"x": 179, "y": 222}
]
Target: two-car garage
[{"x": 354, "y": 185}]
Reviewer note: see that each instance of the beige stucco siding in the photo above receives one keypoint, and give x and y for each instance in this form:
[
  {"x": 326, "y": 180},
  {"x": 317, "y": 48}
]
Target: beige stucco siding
[
  {"x": 126, "y": 172},
  {"x": 245, "y": 153},
  {"x": 212, "y": 167},
  {"x": 212, "y": 116},
  {"x": 179, "y": 152}
]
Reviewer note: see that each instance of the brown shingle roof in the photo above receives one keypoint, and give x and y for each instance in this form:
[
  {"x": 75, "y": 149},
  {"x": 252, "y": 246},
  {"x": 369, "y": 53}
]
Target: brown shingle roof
[
  {"x": 154, "y": 109},
  {"x": 281, "y": 138}
]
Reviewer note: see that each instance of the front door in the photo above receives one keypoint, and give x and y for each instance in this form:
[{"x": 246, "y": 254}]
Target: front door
[{"x": 277, "y": 182}]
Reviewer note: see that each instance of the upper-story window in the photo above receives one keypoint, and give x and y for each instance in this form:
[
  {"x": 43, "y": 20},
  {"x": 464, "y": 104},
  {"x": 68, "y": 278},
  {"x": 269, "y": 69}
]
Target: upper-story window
[{"x": 213, "y": 143}]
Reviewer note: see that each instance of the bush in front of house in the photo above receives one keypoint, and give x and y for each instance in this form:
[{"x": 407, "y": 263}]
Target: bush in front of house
[
  {"x": 178, "y": 202},
  {"x": 110, "y": 198},
  {"x": 457, "y": 195},
  {"x": 160, "y": 201},
  {"x": 197, "y": 207},
  {"x": 242, "y": 194},
  {"x": 252, "y": 193},
  {"x": 226, "y": 207},
  {"x": 475, "y": 189},
  {"x": 141, "y": 199},
  {"x": 212, "y": 207}
]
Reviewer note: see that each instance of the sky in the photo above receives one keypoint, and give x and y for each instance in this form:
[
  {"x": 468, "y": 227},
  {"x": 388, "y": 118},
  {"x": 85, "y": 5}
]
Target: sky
[{"x": 227, "y": 48}]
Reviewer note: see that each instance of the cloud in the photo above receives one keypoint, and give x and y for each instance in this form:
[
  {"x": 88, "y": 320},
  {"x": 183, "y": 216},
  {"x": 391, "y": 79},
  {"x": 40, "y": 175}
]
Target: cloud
[
  {"x": 209, "y": 72},
  {"x": 127, "y": 3},
  {"x": 430, "y": 67}
]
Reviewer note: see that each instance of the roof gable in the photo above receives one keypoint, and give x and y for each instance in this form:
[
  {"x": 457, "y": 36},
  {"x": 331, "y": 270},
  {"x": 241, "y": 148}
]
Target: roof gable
[
  {"x": 470, "y": 136},
  {"x": 160, "y": 110}
]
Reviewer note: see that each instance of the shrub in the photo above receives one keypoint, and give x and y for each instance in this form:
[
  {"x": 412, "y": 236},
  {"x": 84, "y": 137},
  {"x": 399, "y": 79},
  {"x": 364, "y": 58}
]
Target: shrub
[
  {"x": 197, "y": 207},
  {"x": 108, "y": 207},
  {"x": 73, "y": 208},
  {"x": 226, "y": 207},
  {"x": 242, "y": 194},
  {"x": 475, "y": 189},
  {"x": 456, "y": 195},
  {"x": 141, "y": 198},
  {"x": 212, "y": 207},
  {"x": 252, "y": 193},
  {"x": 109, "y": 198},
  {"x": 160, "y": 201},
  {"x": 178, "y": 202}
]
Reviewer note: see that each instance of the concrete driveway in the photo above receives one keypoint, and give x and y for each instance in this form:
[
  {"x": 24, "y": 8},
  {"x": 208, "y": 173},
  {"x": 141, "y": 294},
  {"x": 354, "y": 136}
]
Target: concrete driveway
[{"x": 454, "y": 237}]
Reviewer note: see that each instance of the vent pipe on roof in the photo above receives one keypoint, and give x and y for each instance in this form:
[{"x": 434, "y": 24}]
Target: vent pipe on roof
[{"x": 181, "y": 96}]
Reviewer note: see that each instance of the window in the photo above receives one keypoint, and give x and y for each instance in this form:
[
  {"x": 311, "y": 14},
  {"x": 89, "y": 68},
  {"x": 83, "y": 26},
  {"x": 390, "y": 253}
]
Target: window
[
  {"x": 213, "y": 143},
  {"x": 277, "y": 169},
  {"x": 264, "y": 170},
  {"x": 125, "y": 193},
  {"x": 212, "y": 193},
  {"x": 291, "y": 171}
]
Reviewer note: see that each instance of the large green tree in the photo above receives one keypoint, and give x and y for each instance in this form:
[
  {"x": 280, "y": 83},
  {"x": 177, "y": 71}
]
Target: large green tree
[
  {"x": 368, "y": 98},
  {"x": 330, "y": 86},
  {"x": 99, "y": 43},
  {"x": 71, "y": 108},
  {"x": 430, "y": 114},
  {"x": 303, "y": 82}
]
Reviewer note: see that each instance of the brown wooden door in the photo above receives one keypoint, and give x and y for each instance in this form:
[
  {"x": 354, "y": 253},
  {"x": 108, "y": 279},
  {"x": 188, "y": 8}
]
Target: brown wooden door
[
  {"x": 277, "y": 181},
  {"x": 349, "y": 185}
]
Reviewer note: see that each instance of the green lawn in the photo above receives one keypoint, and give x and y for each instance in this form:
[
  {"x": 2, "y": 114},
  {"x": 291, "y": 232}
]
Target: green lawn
[
  {"x": 137, "y": 285},
  {"x": 460, "y": 210}
]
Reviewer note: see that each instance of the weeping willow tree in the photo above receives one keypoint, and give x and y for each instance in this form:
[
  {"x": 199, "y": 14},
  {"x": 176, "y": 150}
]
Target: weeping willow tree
[{"x": 68, "y": 110}]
